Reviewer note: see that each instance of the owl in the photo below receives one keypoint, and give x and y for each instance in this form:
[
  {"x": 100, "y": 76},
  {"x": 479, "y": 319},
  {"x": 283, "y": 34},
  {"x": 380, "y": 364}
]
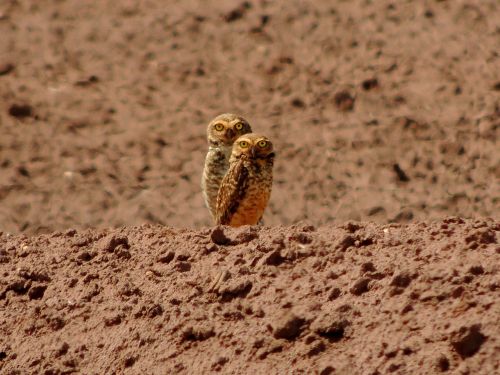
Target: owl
[
  {"x": 222, "y": 131},
  {"x": 246, "y": 187}
]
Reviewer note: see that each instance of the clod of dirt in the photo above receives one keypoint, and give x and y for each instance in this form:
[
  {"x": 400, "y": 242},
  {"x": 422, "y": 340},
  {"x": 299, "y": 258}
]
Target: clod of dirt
[
  {"x": 344, "y": 101},
  {"x": 372, "y": 122},
  {"x": 128, "y": 290},
  {"x": 166, "y": 257},
  {"x": 237, "y": 13},
  {"x": 87, "y": 81},
  {"x": 351, "y": 226},
  {"x": 23, "y": 171},
  {"x": 458, "y": 291},
  {"x": 401, "y": 280},
  {"x": 21, "y": 110},
  {"x": 218, "y": 236},
  {"x": 301, "y": 237},
  {"x": 476, "y": 270},
  {"x": 369, "y": 84},
  {"x": 280, "y": 64},
  {"x": 17, "y": 286},
  {"x": 6, "y": 68},
  {"x": 482, "y": 236},
  {"x": 122, "y": 251},
  {"x": 274, "y": 258},
  {"x": 264, "y": 20},
  {"x": 442, "y": 363},
  {"x": 346, "y": 242},
  {"x": 197, "y": 333},
  {"x": 297, "y": 103},
  {"x": 154, "y": 310},
  {"x": 4, "y": 258},
  {"x": 183, "y": 266},
  {"x": 404, "y": 216},
  {"x": 235, "y": 289},
  {"x": 243, "y": 235},
  {"x": 334, "y": 294},
  {"x": 110, "y": 243},
  {"x": 367, "y": 267},
  {"x": 56, "y": 323},
  {"x": 182, "y": 256},
  {"x": 330, "y": 327},
  {"x": 316, "y": 348},
  {"x": 328, "y": 370},
  {"x": 85, "y": 256},
  {"x": 468, "y": 340},
  {"x": 33, "y": 275},
  {"x": 113, "y": 320},
  {"x": 360, "y": 286},
  {"x": 129, "y": 361},
  {"x": 402, "y": 176},
  {"x": 272, "y": 347},
  {"x": 149, "y": 310},
  {"x": 288, "y": 327},
  {"x": 37, "y": 291},
  {"x": 62, "y": 350},
  {"x": 218, "y": 362}
]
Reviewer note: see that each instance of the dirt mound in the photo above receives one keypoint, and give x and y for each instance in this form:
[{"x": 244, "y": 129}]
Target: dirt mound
[
  {"x": 357, "y": 298},
  {"x": 388, "y": 111}
]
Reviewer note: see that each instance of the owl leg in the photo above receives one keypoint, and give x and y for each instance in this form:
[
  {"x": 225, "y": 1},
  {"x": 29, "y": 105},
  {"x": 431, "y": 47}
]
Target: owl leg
[{"x": 260, "y": 221}]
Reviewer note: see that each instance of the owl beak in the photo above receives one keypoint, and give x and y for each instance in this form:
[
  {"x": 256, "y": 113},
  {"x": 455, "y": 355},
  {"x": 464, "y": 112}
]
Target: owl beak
[
  {"x": 253, "y": 152},
  {"x": 230, "y": 134}
]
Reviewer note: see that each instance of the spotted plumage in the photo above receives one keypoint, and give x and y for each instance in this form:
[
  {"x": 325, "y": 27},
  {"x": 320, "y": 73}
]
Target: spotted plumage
[
  {"x": 222, "y": 131},
  {"x": 246, "y": 187}
]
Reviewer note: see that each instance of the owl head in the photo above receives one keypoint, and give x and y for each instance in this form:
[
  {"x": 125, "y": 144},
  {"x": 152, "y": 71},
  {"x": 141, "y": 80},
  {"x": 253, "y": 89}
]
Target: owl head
[
  {"x": 252, "y": 146},
  {"x": 226, "y": 128}
]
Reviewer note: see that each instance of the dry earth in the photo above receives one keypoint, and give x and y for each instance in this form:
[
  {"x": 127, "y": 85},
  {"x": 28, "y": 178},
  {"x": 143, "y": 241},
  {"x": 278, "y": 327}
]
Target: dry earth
[
  {"x": 384, "y": 112},
  {"x": 380, "y": 110},
  {"x": 350, "y": 299}
]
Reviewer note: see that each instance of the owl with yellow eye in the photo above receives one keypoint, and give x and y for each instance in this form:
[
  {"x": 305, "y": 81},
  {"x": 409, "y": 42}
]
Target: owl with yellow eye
[
  {"x": 222, "y": 131},
  {"x": 246, "y": 187}
]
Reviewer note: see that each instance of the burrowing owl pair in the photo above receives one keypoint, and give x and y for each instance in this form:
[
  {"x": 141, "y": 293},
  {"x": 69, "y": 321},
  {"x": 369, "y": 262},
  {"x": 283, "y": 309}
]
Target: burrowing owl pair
[{"x": 237, "y": 177}]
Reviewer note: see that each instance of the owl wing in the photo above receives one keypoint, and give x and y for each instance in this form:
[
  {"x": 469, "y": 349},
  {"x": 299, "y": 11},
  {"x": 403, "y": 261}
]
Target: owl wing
[{"x": 232, "y": 190}]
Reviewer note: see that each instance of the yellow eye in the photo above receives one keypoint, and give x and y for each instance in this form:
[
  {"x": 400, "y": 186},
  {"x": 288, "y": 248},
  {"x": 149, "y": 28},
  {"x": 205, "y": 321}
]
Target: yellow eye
[
  {"x": 243, "y": 144},
  {"x": 262, "y": 144},
  {"x": 219, "y": 127},
  {"x": 239, "y": 126}
]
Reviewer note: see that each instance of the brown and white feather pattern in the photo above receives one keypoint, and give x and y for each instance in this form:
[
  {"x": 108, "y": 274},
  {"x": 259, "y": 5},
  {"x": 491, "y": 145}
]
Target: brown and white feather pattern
[
  {"x": 245, "y": 190},
  {"x": 222, "y": 131},
  {"x": 216, "y": 166}
]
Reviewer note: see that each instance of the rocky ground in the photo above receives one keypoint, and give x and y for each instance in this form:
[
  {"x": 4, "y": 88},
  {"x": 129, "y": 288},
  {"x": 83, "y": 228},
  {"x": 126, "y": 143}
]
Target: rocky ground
[
  {"x": 347, "y": 299},
  {"x": 385, "y": 116}
]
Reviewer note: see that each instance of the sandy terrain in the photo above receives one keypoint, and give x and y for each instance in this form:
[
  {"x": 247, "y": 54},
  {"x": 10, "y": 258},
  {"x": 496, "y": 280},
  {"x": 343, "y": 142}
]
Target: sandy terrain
[
  {"x": 380, "y": 252},
  {"x": 379, "y": 111}
]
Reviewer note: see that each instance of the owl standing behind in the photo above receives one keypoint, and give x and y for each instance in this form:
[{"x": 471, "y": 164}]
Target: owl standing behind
[
  {"x": 222, "y": 131},
  {"x": 246, "y": 187}
]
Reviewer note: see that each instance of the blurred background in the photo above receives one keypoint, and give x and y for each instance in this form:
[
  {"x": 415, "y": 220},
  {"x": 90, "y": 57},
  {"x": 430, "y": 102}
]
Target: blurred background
[{"x": 386, "y": 111}]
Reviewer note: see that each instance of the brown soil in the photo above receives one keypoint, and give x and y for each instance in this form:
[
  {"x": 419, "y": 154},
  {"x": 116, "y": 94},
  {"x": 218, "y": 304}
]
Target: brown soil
[
  {"x": 380, "y": 111},
  {"x": 350, "y": 299}
]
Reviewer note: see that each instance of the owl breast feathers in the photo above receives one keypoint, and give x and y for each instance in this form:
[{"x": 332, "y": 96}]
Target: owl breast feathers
[{"x": 246, "y": 188}]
